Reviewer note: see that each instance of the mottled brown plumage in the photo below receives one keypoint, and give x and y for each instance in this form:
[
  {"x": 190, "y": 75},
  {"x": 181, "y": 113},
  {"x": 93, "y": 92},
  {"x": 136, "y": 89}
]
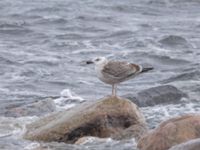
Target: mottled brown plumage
[
  {"x": 114, "y": 72},
  {"x": 121, "y": 70}
]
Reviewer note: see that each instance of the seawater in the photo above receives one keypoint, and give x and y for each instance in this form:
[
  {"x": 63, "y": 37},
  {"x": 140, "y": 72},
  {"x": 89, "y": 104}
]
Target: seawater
[{"x": 44, "y": 44}]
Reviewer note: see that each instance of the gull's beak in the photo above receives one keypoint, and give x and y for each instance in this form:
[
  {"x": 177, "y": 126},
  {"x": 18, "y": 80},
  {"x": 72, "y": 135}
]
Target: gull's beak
[{"x": 89, "y": 62}]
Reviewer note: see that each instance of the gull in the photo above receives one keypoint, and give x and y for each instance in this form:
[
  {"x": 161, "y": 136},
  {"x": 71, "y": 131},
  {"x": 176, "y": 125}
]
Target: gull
[{"x": 115, "y": 72}]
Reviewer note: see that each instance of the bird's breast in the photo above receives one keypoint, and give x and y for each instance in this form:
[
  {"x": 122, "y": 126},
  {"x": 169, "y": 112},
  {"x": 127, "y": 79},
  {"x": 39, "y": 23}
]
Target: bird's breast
[
  {"x": 101, "y": 76},
  {"x": 104, "y": 77}
]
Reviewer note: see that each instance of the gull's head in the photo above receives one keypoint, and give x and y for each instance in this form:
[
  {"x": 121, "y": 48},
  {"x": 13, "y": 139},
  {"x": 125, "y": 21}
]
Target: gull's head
[{"x": 98, "y": 61}]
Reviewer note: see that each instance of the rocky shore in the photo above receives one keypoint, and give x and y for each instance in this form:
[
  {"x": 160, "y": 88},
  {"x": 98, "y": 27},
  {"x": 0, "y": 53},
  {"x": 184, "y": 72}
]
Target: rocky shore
[
  {"x": 108, "y": 117},
  {"x": 120, "y": 119},
  {"x": 171, "y": 132}
]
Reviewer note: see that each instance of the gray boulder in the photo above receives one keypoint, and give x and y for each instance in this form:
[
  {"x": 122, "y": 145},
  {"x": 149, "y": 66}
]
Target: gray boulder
[
  {"x": 166, "y": 94},
  {"x": 174, "y": 41},
  {"x": 37, "y": 108}
]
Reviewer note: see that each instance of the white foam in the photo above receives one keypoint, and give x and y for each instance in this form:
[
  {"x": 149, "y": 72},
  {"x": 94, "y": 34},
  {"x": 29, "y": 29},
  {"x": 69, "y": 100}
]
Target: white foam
[
  {"x": 32, "y": 146},
  {"x": 40, "y": 59},
  {"x": 91, "y": 139},
  {"x": 14, "y": 127},
  {"x": 4, "y": 90},
  {"x": 52, "y": 17},
  {"x": 68, "y": 94},
  {"x": 67, "y": 99},
  {"x": 159, "y": 113}
]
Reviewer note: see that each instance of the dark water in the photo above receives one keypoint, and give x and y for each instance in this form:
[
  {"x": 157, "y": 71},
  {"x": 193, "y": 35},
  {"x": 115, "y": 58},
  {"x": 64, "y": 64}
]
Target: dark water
[{"x": 44, "y": 43}]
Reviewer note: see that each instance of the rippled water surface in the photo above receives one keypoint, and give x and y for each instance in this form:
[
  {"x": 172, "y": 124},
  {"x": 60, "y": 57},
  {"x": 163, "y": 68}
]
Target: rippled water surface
[{"x": 44, "y": 43}]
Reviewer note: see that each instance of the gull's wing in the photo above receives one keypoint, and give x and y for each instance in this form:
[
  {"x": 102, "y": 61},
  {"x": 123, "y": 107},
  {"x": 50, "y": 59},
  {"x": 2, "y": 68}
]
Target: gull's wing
[{"x": 119, "y": 69}]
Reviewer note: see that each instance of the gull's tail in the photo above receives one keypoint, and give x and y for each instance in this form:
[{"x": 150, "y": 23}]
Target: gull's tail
[{"x": 146, "y": 69}]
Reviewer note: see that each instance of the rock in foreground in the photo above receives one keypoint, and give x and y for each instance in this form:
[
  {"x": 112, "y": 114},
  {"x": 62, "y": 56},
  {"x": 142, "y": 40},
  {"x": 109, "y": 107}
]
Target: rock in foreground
[
  {"x": 172, "y": 132},
  {"x": 190, "y": 145},
  {"x": 103, "y": 118}
]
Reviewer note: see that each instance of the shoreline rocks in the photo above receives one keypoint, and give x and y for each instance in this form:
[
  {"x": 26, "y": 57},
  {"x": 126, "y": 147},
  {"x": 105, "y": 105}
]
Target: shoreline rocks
[
  {"x": 103, "y": 118},
  {"x": 38, "y": 108},
  {"x": 189, "y": 145},
  {"x": 137, "y": 129},
  {"x": 165, "y": 94},
  {"x": 174, "y": 41},
  {"x": 171, "y": 132}
]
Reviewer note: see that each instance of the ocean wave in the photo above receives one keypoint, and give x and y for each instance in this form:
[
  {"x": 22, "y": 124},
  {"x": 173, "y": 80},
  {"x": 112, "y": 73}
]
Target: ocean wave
[
  {"x": 7, "y": 61},
  {"x": 184, "y": 1},
  {"x": 6, "y": 25},
  {"x": 15, "y": 32},
  {"x": 193, "y": 75},
  {"x": 43, "y": 20},
  {"x": 42, "y": 60},
  {"x": 155, "y": 115},
  {"x": 104, "y": 19},
  {"x": 42, "y": 9},
  {"x": 172, "y": 2},
  {"x": 14, "y": 28}
]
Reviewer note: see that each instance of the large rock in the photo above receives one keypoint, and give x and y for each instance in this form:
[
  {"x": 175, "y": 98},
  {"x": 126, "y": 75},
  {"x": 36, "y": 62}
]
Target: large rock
[
  {"x": 165, "y": 94},
  {"x": 134, "y": 131},
  {"x": 171, "y": 132},
  {"x": 102, "y": 118},
  {"x": 190, "y": 145},
  {"x": 174, "y": 41}
]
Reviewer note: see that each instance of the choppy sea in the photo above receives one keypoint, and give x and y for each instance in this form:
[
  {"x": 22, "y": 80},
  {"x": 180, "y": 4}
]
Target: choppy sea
[{"x": 44, "y": 45}]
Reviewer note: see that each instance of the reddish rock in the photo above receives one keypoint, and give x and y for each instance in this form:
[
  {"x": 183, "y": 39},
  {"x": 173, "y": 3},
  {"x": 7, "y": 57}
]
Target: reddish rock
[
  {"x": 171, "y": 132},
  {"x": 190, "y": 145}
]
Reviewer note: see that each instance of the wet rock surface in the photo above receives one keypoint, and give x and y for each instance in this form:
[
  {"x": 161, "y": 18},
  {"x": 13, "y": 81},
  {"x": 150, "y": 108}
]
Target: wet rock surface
[
  {"x": 174, "y": 41},
  {"x": 171, "y": 132},
  {"x": 103, "y": 118},
  {"x": 166, "y": 94},
  {"x": 134, "y": 131},
  {"x": 190, "y": 145}
]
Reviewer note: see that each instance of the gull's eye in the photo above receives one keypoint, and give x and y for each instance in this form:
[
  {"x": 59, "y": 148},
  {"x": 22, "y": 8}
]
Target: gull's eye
[{"x": 97, "y": 59}]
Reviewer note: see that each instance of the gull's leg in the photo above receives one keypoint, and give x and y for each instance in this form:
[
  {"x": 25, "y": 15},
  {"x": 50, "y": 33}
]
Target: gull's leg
[{"x": 113, "y": 90}]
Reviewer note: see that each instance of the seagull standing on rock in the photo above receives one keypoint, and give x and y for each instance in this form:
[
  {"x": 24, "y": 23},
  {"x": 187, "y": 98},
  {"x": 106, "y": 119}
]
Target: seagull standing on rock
[{"x": 114, "y": 72}]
